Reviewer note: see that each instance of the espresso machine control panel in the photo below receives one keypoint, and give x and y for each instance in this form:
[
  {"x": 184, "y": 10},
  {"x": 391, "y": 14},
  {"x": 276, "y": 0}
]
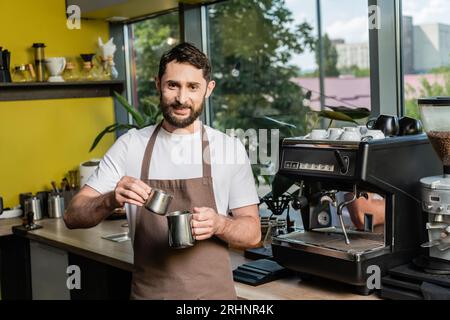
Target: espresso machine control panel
[{"x": 317, "y": 160}]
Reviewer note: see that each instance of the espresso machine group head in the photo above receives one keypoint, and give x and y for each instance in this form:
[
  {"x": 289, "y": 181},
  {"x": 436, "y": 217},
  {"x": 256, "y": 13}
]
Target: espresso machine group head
[{"x": 390, "y": 168}]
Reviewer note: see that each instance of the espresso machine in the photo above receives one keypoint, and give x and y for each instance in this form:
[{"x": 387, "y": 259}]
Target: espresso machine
[{"x": 390, "y": 168}]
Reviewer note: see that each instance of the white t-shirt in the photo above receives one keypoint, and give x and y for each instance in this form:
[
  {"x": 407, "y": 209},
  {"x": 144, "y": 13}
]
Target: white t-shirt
[{"x": 179, "y": 156}]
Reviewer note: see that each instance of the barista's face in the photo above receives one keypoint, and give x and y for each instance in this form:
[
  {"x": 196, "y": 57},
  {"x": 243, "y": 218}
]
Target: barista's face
[{"x": 183, "y": 90}]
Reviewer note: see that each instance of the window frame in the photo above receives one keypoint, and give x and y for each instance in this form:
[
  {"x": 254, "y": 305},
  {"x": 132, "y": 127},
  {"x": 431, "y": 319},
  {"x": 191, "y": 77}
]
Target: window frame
[
  {"x": 385, "y": 46},
  {"x": 386, "y": 63}
]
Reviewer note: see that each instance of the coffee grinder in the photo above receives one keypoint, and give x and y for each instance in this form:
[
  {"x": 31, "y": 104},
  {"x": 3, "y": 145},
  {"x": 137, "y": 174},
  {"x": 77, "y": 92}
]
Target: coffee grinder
[
  {"x": 428, "y": 275},
  {"x": 435, "y": 114}
]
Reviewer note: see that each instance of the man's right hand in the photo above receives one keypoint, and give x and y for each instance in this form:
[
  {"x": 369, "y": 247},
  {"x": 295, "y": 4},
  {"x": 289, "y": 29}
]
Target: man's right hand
[{"x": 131, "y": 190}]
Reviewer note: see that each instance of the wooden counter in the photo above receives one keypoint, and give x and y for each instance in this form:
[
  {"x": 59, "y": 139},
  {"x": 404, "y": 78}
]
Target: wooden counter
[
  {"x": 293, "y": 288},
  {"x": 6, "y": 225},
  {"x": 88, "y": 243}
]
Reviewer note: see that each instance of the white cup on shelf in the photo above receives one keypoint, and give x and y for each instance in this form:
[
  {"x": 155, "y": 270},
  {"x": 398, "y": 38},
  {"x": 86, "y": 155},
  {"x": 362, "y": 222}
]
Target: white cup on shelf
[
  {"x": 350, "y": 134},
  {"x": 335, "y": 133},
  {"x": 374, "y": 134},
  {"x": 318, "y": 134},
  {"x": 363, "y": 130}
]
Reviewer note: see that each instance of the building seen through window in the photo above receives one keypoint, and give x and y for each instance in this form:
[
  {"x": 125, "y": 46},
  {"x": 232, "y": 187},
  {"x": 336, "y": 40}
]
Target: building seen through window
[{"x": 426, "y": 51}]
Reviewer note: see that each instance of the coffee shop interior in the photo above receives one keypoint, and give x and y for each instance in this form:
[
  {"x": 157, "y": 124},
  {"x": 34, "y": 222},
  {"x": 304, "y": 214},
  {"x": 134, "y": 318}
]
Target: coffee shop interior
[{"x": 344, "y": 108}]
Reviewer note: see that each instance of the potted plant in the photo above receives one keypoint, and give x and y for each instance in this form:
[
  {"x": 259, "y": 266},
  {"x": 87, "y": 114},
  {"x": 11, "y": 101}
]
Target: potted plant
[{"x": 149, "y": 115}]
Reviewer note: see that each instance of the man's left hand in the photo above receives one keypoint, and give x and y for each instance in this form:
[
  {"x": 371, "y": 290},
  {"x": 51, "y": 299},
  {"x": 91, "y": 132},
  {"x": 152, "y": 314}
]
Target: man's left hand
[{"x": 206, "y": 223}]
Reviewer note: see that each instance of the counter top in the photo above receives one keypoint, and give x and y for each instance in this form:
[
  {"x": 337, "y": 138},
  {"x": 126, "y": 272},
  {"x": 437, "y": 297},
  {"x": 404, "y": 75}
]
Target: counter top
[
  {"x": 88, "y": 243},
  {"x": 7, "y": 224}
]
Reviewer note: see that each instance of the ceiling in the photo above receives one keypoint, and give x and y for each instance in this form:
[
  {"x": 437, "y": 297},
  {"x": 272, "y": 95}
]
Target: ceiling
[{"x": 126, "y": 9}]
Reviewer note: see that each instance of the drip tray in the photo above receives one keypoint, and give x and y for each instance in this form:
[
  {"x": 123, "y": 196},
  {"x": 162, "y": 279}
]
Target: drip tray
[{"x": 360, "y": 242}]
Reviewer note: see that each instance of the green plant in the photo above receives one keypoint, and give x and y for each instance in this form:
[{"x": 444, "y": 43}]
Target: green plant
[
  {"x": 149, "y": 115},
  {"x": 343, "y": 114}
]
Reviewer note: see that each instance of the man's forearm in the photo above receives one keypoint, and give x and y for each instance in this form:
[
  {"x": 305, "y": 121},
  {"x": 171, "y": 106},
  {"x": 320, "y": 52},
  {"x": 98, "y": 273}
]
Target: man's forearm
[
  {"x": 241, "y": 231},
  {"x": 87, "y": 212}
]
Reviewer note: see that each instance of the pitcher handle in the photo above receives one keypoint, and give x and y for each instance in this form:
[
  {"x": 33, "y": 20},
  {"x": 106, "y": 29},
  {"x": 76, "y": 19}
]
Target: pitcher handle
[{"x": 370, "y": 123}]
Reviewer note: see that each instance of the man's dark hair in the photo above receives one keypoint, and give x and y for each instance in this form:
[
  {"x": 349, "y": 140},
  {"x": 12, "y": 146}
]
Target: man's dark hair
[{"x": 186, "y": 53}]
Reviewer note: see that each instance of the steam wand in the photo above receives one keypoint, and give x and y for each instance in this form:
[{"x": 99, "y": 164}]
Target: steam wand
[{"x": 341, "y": 206}]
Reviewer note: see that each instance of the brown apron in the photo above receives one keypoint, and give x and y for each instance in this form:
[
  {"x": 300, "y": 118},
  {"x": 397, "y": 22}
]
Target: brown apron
[{"x": 160, "y": 272}]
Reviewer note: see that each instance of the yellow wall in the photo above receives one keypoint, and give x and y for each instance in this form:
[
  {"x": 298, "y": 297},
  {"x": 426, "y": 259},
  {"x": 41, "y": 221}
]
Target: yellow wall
[{"x": 41, "y": 140}]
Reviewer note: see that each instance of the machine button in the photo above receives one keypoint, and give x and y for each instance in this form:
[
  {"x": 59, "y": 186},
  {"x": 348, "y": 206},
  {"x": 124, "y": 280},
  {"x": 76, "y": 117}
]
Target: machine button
[
  {"x": 427, "y": 206},
  {"x": 323, "y": 218},
  {"x": 287, "y": 164},
  {"x": 294, "y": 165}
]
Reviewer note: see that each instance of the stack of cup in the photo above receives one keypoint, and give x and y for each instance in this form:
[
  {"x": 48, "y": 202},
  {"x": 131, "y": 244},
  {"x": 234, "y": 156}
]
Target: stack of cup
[
  {"x": 335, "y": 133},
  {"x": 358, "y": 133},
  {"x": 317, "y": 134}
]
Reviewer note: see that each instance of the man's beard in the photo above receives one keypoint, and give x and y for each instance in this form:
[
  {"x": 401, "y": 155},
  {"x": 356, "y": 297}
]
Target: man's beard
[{"x": 173, "y": 120}]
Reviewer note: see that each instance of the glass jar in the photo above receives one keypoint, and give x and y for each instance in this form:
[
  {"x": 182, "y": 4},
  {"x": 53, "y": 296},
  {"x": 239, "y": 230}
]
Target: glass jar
[
  {"x": 97, "y": 70},
  {"x": 21, "y": 74},
  {"x": 70, "y": 72},
  {"x": 87, "y": 73},
  {"x": 109, "y": 70},
  {"x": 112, "y": 71}
]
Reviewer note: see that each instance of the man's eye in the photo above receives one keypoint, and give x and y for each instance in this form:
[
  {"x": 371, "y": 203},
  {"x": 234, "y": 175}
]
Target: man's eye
[
  {"x": 194, "y": 88},
  {"x": 171, "y": 85}
]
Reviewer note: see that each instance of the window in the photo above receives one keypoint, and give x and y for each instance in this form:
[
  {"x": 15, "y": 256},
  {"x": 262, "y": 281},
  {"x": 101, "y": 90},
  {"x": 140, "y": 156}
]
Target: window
[
  {"x": 346, "y": 53},
  {"x": 426, "y": 51},
  {"x": 266, "y": 62},
  {"x": 252, "y": 46},
  {"x": 150, "y": 38}
]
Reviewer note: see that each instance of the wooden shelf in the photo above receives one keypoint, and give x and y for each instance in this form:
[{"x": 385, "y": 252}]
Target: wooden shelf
[{"x": 59, "y": 90}]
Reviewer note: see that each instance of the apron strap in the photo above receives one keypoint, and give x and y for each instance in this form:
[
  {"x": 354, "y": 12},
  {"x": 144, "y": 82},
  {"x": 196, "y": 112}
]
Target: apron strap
[
  {"x": 206, "y": 156},
  {"x": 148, "y": 153}
]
